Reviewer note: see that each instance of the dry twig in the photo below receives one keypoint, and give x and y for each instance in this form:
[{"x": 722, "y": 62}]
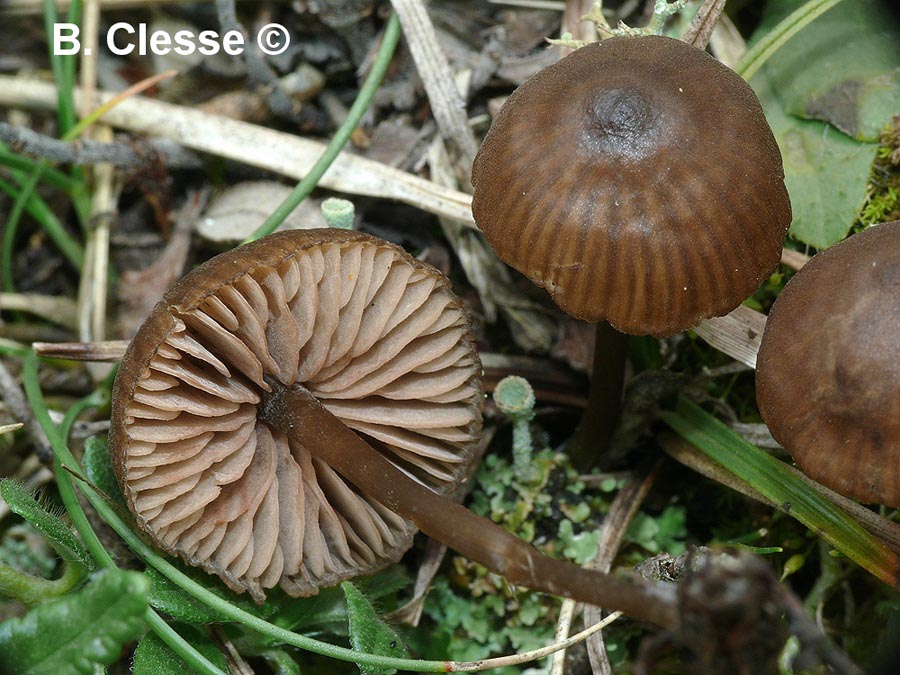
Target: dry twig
[
  {"x": 259, "y": 71},
  {"x": 122, "y": 154},
  {"x": 701, "y": 28}
]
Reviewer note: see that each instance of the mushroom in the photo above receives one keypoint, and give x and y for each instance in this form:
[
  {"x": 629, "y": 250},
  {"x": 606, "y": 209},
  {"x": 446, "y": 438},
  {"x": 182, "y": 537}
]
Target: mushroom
[
  {"x": 638, "y": 182},
  {"x": 828, "y": 371},
  {"x": 378, "y": 338},
  {"x": 294, "y": 409}
]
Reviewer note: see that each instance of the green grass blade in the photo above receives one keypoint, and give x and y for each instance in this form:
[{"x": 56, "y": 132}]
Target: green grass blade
[
  {"x": 37, "y": 209},
  {"x": 50, "y": 176},
  {"x": 342, "y": 135},
  {"x": 757, "y": 55},
  {"x": 772, "y": 479},
  {"x": 63, "y": 66}
]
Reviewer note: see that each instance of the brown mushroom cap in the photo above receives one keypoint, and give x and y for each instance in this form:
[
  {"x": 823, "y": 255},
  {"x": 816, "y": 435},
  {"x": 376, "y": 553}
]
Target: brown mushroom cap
[
  {"x": 828, "y": 371},
  {"x": 377, "y": 336},
  {"x": 638, "y": 182}
]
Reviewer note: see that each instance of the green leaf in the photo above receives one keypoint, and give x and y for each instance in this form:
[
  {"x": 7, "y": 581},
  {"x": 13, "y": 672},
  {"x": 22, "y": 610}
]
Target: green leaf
[
  {"x": 580, "y": 547},
  {"x": 665, "y": 532},
  {"x": 153, "y": 656},
  {"x": 63, "y": 540},
  {"x": 840, "y": 68},
  {"x": 168, "y": 598},
  {"x": 368, "y": 633},
  {"x": 326, "y": 612},
  {"x": 771, "y": 478},
  {"x": 825, "y": 171},
  {"x": 72, "y": 635},
  {"x": 281, "y": 662},
  {"x": 98, "y": 469}
]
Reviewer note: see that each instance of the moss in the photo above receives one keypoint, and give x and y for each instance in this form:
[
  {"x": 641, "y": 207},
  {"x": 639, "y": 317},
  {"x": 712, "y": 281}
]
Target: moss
[{"x": 883, "y": 192}]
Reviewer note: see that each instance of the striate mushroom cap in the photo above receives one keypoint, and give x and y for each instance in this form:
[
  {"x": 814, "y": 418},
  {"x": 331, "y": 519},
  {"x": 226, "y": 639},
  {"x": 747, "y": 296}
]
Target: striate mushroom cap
[
  {"x": 377, "y": 336},
  {"x": 638, "y": 182},
  {"x": 828, "y": 371}
]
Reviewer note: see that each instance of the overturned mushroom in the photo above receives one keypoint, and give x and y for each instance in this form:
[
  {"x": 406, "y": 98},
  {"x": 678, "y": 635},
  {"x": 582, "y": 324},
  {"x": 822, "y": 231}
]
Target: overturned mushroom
[
  {"x": 379, "y": 339},
  {"x": 290, "y": 407}
]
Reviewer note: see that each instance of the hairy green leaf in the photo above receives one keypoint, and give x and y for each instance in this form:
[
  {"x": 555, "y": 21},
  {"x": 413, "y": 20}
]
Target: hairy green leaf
[
  {"x": 368, "y": 633},
  {"x": 63, "y": 540},
  {"x": 326, "y": 612},
  {"x": 74, "y": 634},
  {"x": 281, "y": 662},
  {"x": 153, "y": 656},
  {"x": 166, "y": 597},
  {"x": 98, "y": 469}
]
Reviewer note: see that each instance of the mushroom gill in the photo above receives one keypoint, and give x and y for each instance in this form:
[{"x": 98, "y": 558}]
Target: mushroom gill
[{"x": 376, "y": 336}]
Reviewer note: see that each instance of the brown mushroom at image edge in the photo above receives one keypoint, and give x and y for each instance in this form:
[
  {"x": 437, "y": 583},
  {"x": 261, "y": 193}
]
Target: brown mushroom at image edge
[
  {"x": 638, "y": 182},
  {"x": 828, "y": 371},
  {"x": 294, "y": 409}
]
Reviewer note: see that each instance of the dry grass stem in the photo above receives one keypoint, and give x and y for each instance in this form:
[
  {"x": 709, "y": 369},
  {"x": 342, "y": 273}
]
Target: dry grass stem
[
  {"x": 110, "y": 350},
  {"x": 525, "y": 657},
  {"x": 737, "y": 334},
  {"x": 251, "y": 144},
  {"x": 552, "y": 5},
  {"x": 793, "y": 259},
  {"x": 563, "y": 626},
  {"x": 612, "y": 533},
  {"x": 447, "y": 105},
  {"x": 726, "y": 42},
  {"x": 60, "y": 310},
  {"x": 19, "y": 7}
]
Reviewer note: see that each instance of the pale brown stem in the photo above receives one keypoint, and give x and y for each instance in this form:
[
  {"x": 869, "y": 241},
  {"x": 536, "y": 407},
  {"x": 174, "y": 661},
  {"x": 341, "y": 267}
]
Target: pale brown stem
[{"x": 295, "y": 412}]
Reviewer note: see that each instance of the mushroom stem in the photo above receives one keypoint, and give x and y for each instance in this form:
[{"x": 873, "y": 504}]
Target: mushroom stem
[
  {"x": 295, "y": 412},
  {"x": 601, "y": 417}
]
